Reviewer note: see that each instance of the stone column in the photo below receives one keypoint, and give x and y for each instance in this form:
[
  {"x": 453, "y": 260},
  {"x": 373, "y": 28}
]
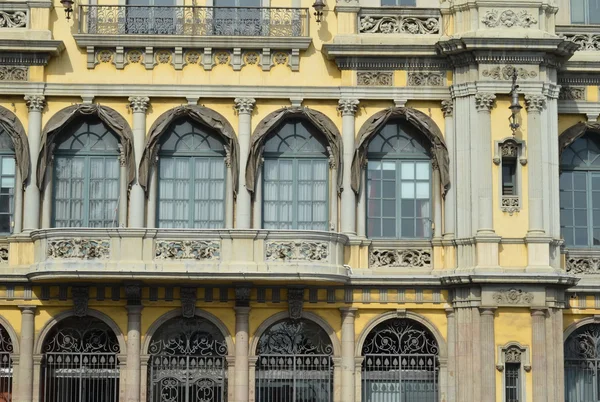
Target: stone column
[
  {"x": 25, "y": 375},
  {"x": 488, "y": 353},
  {"x": 151, "y": 221},
  {"x": 134, "y": 330},
  {"x": 139, "y": 105},
  {"x": 450, "y": 200},
  {"x": 241, "y": 354},
  {"x": 228, "y": 193},
  {"x": 451, "y": 337},
  {"x": 484, "y": 103},
  {"x": 333, "y": 200},
  {"x": 538, "y": 352},
  {"x": 348, "y": 353},
  {"x": 35, "y": 104},
  {"x": 243, "y": 212},
  {"x": 347, "y": 108}
]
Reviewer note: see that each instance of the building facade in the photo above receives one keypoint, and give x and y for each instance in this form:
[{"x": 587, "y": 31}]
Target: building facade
[{"x": 279, "y": 201}]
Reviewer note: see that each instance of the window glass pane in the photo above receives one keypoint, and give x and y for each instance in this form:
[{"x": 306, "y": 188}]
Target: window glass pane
[
  {"x": 580, "y": 217},
  {"x": 407, "y": 228},
  {"x": 408, "y": 171},
  {"x": 422, "y": 190},
  {"x": 422, "y": 170},
  {"x": 579, "y": 181},
  {"x": 580, "y": 199},
  {"x": 5, "y": 204},
  {"x": 8, "y": 166},
  {"x": 566, "y": 217},
  {"x": 581, "y": 237},
  {"x": 566, "y": 180},
  {"x": 596, "y": 240},
  {"x": 407, "y": 208},
  {"x": 407, "y": 190},
  {"x": 569, "y": 236},
  {"x": 389, "y": 208},
  {"x": 374, "y": 227},
  {"x": 577, "y": 11},
  {"x": 594, "y": 12},
  {"x": 566, "y": 199},
  {"x": 389, "y": 227}
]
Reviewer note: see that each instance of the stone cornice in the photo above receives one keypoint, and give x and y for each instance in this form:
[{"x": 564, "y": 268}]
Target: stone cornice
[{"x": 29, "y": 52}]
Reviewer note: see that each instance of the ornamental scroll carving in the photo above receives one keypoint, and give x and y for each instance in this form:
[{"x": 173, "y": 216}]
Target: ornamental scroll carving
[
  {"x": 13, "y": 19},
  {"x": 187, "y": 250},
  {"x": 583, "y": 265},
  {"x": 397, "y": 24},
  {"x": 374, "y": 78},
  {"x": 508, "y": 19},
  {"x": 13, "y": 73},
  {"x": 3, "y": 254},
  {"x": 571, "y": 93},
  {"x": 586, "y": 41},
  {"x": 296, "y": 251},
  {"x": 426, "y": 79},
  {"x": 512, "y": 296},
  {"x": 510, "y": 204},
  {"x": 507, "y": 72},
  {"x": 79, "y": 248},
  {"x": 406, "y": 258},
  {"x": 512, "y": 355}
]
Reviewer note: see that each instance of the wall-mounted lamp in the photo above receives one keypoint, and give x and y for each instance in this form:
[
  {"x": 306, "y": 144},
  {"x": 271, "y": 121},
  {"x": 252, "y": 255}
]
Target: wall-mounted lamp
[
  {"x": 68, "y": 5},
  {"x": 515, "y": 107},
  {"x": 319, "y": 5}
]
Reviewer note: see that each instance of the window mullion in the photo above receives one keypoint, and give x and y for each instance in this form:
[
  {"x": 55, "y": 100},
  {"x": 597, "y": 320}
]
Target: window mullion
[
  {"x": 295, "y": 194},
  {"x": 398, "y": 176},
  {"x": 191, "y": 192},
  {"x": 86, "y": 193}
]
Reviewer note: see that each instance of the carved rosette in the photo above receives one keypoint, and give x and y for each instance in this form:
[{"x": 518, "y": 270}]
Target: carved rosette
[
  {"x": 244, "y": 105},
  {"x": 508, "y": 19},
  {"x": 484, "y": 102},
  {"x": 426, "y": 79},
  {"x": 583, "y": 265},
  {"x": 79, "y": 248},
  {"x": 507, "y": 73},
  {"x": 402, "y": 258},
  {"x": 535, "y": 103},
  {"x": 295, "y": 302},
  {"x": 81, "y": 296},
  {"x": 374, "y": 78},
  {"x": 512, "y": 296},
  {"x": 296, "y": 251},
  {"x": 398, "y": 24},
  {"x": 572, "y": 93},
  {"x": 188, "y": 302},
  {"x": 35, "y": 103},
  {"x": 447, "y": 107},
  {"x": 139, "y": 104},
  {"x": 347, "y": 107},
  {"x": 187, "y": 250}
]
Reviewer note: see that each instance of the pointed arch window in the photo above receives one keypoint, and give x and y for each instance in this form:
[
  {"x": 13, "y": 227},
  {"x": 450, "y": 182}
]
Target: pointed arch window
[
  {"x": 398, "y": 184},
  {"x": 191, "y": 178},
  {"x": 7, "y": 182},
  {"x": 295, "y": 178},
  {"x": 86, "y": 176},
  {"x": 580, "y": 192}
]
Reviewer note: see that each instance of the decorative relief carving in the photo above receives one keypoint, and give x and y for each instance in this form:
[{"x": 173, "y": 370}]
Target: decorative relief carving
[
  {"x": 163, "y": 57},
  {"x": 394, "y": 24},
  {"x": 508, "y": 19},
  {"x": 510, "y": 204},
  {"x": 507, "y": 73},
  {"x": 426, "y": 79},
  {"x": 403, "y": 258},
  {"x": 13, "y": 19},
  {"x": 535, "y": 103},
  {"x": 484, "y": 101},
  {"x": 192, "y": 57},
  {"x": 133, "y": 294},
  {"x": 374, "y": 78},
  {"x": 572, "y": 93},
  {"x": 81, "y": 296},
  {"x": 35, "y": 103},
  {"x": 586, "y": 41},
  {"x": 295, "y": 302},
  {"x": 187, "y": 250},
  {"x": 222, "y": 57},
  {"x": 280, "y": 58},
  {"x": 188, "y": 301},
  {"x": 3, "y": 254},
  {"x": 512, "y": 296},
  {"x": 251, "y": 58},
  {"x": 105, "y": 56},
  {"x": 583, "y": 265},
  {"x": 348, "y": 107},
  {"x": 79, "y": 248},
  {"x": 139, "y": 104},
  {"x": 447, "y": 107},
  {"x": 296, "y": 251},
  {"x": 509, "y": 149},
  {"x": 244, "y": 105},
  {"x": 512, "y": 355},
  {"x": 242, "y": 296},
  {"x": 134, "y": 56},
  {"x": 14, "y": 73}
]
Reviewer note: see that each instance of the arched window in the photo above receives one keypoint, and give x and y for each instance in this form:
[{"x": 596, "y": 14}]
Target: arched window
[
  {"x": 86, "y": 176},
  {"x": 585, "y": 11},
  {"x": 7, "y": 182},
  {"x": 582, "y": 364},
  {"x": 187, "y": 362},
  {"x": 400, "y": 363},
  {"x": 191, "y": 178},
  {"x": 580, "y": 192},
  {"x": 6, "y": 367},
  {"x": 294, "y": 363},
  {"x": 398, "y": 184},
  {"x": 295, "y": 178},
  {"x": 80, "y": 361}
]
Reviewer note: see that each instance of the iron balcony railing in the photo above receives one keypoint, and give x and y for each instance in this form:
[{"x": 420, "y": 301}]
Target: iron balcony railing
[{"x": 193, "y": 21}]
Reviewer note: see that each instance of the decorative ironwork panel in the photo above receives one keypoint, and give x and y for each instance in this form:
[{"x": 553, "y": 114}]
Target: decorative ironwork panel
[
  {"x": 81, "y": 362},
  {"x": 194, "y": 21},
  {"x": 582, "y": 364},
  {"x": 6, "y": 368},
  {"x": 188, "y": 362},
  {"x": 294, "y": 363},
  {"x": 400, "y": 363}
]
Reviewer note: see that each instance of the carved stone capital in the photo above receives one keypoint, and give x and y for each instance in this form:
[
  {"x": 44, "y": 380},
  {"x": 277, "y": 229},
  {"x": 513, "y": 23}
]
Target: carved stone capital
[
  {"x": 447, "y": 107},
  {"x": 535, "y": 103},
  {"x": 35, "y": 103},
  {"x": 188, "y": 302},
  {"x": 139, "y": 104},
  {"x": 295, "y": 302},
  {"x": 81, "y": 296},
  {"x": 484, "y": 101},
  {"x": 244, "y": 105},
  {"x": 348, "y": 107}
]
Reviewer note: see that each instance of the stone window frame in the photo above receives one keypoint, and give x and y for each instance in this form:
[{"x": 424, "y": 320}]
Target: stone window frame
[
  {"x": 504, "y": 201},
  {"x": 525, "y": 366}
]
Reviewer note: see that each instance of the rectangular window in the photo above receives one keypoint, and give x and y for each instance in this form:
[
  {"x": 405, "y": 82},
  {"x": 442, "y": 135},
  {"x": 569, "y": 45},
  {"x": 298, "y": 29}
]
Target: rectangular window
[
  {"x": 509, "y": 169},
  {"x": 7, "y": 193},
  {"x": 398, "y": 3},
  {"x": 580, "y": 208},
  {"x": 585, "y": 11},
  {"x": 512, "y": 382}
]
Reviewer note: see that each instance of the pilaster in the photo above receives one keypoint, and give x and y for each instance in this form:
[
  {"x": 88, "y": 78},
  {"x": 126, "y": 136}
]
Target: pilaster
[
  {"x": 139, "y": 106},
  {"x": 488, "y": 353},
  {"x": 133, "y": 366},
  {"x": 25, "y": 375},
  {"x": 451, "y": 339},
  {"x": 538, "y": 351},
  {"x": 348, "y": 353},
  {"x": 348, "y": 107},
  {"x": 243, "y": 213},
  {"x": 35, "y": 105}
]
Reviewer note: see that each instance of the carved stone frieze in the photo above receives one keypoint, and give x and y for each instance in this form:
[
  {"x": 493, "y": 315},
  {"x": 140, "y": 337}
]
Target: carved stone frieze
[
  {"x": 507, "y": 73},
  {"x": 510, "y": 204},
  {"x": 508, "y": 19},
  {"x": 295, "y": 302},
  {"x": 347, "y": 107},
  {"x": 187, "y": 250},
  {"x": 139, "y": 104},
  {"x": 244, "y": 105},
  {"x": 447, "y": 107},
  {"x": 586, "y": 41},
  {"x": 81, "y": 296},
  {"x": 484, "y": 101},
  {"x": 426, "y": 79},
  {"x": 400, "y": 258},
  {"x": 583, "y": 265},
  {"x": 13, "y": 19},
  {"x": 296, "y": 251},
  {"x": 374, "y": 78},
  {"x": 14, "y": 73},
  {"x": 79, "y": 248},
  {"x": 188, "y": 301},
  {"x": 4, "y": 254},
  {"x": 572, "y": 93},
  {"x": 398, "y": 24},
  {"x": 512, "y": 296}
]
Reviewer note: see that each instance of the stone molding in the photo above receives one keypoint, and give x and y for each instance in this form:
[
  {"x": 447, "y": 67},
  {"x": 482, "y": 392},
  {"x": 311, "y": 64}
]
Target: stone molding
[
  {"x": 348, "y": 107},
  {"x": 187, "y": 250},
  {"x": 510, "y": 204},
  {"x": 244, "y": 105},
  {"x": 4, "y": 253},
  {"x": 375, "y": 78},
  {"x": 79, "y": 248},
  {"x": 35, "y": 103},
  {"x": 296, "y": 251},
  {"x": 448, "y": 107},
  {"x": 508, "y": 19},
  {"x": 399, "y": 21},
  {"x": 580, "y": 264},
  {"x": 484, "y": 101},
  {"x": 139, "y": 104},
  {"x": 188, "y": 297},
  {"x": 535, "y": 103},
  {"x": 423, "y": 79}
]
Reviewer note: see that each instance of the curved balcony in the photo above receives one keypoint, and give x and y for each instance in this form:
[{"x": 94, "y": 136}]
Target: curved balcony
[{"x": 180, "y": 254}]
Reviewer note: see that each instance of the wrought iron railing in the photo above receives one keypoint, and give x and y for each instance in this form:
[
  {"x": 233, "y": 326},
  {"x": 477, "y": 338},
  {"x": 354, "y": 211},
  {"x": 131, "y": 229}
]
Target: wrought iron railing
[{"x": 193, "y": 21}]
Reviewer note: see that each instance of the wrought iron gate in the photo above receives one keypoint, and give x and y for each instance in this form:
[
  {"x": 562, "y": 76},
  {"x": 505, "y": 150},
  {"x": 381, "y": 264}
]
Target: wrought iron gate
[
  {"x": 400, "y": 363},
  {"x": 6, "y": 369},
  {"x": 582, "y": 365}
]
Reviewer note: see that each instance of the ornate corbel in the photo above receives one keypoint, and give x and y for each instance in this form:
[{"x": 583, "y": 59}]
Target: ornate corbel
[
  {"x": 81, "y": 296},
  {"x": 295, "y": 302},
  {"x": 188, "y": 302}
]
